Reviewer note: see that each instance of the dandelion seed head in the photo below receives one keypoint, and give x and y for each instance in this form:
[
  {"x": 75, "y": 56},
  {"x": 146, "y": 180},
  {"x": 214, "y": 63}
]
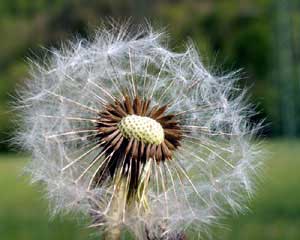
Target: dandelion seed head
[{"x": 132, "y": 134}]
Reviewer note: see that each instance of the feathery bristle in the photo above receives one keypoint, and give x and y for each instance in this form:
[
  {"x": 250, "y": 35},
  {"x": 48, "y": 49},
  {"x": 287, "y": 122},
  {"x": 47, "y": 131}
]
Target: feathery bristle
[{"x": 200, "y": 166}]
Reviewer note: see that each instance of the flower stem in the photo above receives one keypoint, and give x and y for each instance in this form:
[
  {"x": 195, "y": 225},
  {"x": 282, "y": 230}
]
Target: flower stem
[
  {"x": 114, "y": 233},
  {"x": 116, "y": 214}
]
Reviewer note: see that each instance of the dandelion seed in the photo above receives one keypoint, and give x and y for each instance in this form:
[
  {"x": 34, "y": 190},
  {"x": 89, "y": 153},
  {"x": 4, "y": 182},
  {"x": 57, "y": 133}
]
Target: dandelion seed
[{"x": 136, "y": 136}]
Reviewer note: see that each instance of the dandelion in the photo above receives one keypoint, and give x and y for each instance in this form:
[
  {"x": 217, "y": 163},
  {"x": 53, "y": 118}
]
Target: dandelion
[{"x": 136, "y": 136}]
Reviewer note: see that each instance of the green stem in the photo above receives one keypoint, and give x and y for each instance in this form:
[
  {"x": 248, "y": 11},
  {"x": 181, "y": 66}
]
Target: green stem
[
  {"x": 118, "y": 201},
  {"x": 113, "y": 233}
]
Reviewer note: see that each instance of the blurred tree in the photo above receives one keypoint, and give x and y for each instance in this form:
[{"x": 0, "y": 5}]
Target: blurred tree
[
  {"x": 259, "y": 36},
  {"x": 285, "y": 68}
]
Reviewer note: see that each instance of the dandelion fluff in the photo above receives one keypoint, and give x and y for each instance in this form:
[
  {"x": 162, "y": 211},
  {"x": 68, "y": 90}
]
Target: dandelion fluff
[{"x": 136, "y": 136}]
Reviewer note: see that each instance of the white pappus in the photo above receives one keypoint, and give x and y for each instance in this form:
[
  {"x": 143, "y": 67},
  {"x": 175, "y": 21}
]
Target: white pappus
[{"x": 136, "y": 136}]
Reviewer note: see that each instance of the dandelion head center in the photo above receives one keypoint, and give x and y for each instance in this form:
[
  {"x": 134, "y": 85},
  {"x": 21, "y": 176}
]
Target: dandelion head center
[
  {"x": 142, "y": 128},
  {"x": 133, "y": 133}
]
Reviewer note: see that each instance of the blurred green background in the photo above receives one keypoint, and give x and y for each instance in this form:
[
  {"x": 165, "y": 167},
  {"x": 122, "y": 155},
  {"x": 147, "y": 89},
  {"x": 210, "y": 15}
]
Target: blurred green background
[{"x": 260, "y": 36}]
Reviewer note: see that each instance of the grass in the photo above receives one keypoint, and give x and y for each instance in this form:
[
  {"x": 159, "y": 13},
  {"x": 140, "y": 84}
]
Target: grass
[
  {"x": 274, "y": 212},
  {"x": 23, "y": 211}
]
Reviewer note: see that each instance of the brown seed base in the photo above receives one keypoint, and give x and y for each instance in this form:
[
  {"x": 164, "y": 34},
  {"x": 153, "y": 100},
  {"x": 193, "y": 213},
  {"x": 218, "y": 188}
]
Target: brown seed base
[{"x": 130, "y": 155}]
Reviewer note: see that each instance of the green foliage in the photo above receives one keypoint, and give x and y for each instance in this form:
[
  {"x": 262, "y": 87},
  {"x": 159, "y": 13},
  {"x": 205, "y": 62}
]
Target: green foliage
[{"x": 244, "y": 34}]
